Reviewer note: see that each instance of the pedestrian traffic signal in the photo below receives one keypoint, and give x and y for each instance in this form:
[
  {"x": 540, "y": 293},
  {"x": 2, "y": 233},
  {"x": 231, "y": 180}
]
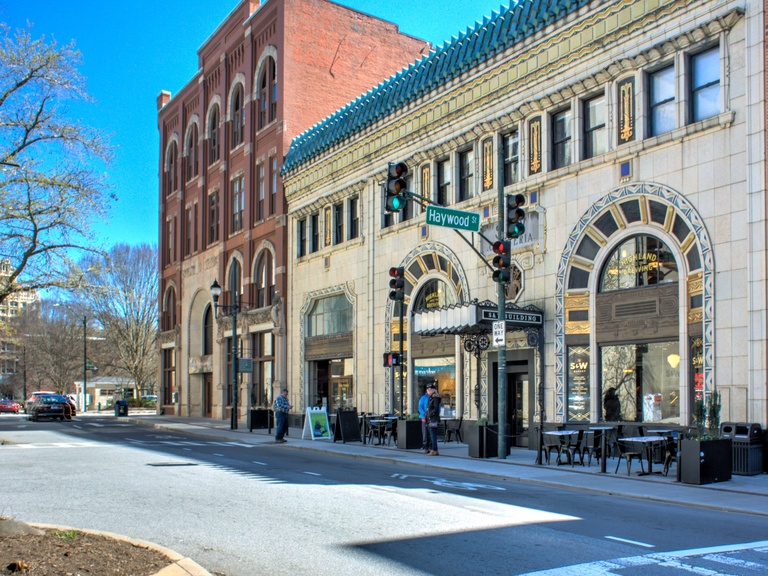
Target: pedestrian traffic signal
[
  {"x": 397, "y": 283},
  {"x": 501, "y": 261},
  {"x": 396, "y": 186},
  {"x": 515, "y": 215},
  {"x": 391, "y": 359}
]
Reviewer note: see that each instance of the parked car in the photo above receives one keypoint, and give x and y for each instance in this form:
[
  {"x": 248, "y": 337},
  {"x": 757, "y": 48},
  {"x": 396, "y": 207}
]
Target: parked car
[
  {"x": 53, "y": 406},
  {"x": 41, "y": 393},
  {"x": 10, "y": 406}
]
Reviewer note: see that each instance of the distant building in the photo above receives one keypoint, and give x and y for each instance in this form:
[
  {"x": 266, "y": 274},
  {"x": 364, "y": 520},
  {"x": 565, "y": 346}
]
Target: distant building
[
  {"x": 269, "y": 72},
  {"x": 11, "y": 354},
  {"x": 104, "y": 391}
]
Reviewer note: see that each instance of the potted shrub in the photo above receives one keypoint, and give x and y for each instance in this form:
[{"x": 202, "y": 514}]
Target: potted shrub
[
  {"x": 482, "y": 439},
  {"x": 409, "y": 432},
  {"x": 705, "y": 457}
]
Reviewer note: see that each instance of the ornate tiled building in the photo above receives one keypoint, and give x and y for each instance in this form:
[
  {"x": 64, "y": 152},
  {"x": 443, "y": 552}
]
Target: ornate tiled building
[
  {"x": 635, "y": 131},
  {"x": 265, "y": 75}
]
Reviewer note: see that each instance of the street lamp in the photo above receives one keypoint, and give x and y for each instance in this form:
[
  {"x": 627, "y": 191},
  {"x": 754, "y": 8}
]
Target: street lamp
[{"x": 231, "y": 309}]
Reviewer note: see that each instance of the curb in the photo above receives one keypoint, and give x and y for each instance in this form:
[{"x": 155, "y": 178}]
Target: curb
[{"x": 180, "y": 565}]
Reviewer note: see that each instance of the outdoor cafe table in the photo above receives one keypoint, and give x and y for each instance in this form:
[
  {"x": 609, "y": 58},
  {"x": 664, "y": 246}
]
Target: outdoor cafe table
[
  {"x": 381, "y": 426},
  {"x": 603, "y": 429},
  {"x": 563, "y": 436},
  {"x": 647, "y": 442}
]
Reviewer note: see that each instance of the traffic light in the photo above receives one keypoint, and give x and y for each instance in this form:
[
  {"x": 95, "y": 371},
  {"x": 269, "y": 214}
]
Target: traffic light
[
  {"x": 501, "y": 261},
  {"x": 391, "y": 359},
  {"x": 397, "y": 283},
  {"x": 515, "y": 215},
  {"x": 396, "y": 186}
]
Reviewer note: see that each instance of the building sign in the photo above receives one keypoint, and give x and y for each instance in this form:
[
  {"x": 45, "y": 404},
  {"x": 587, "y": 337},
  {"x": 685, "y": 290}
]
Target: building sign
[
  {"x": 697, "y": 367},
  {"x": 515, "y": 318},
  {"x": 578, "y": 384},
  {"x": 626, "y": 125}
]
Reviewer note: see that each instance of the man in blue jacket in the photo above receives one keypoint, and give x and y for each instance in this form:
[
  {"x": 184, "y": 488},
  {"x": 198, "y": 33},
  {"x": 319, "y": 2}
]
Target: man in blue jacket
[{"x": 426, "y": 444}]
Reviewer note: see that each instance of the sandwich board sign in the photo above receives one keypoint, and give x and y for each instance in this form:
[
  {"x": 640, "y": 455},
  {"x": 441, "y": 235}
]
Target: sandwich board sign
[{"x": 316, "y": 424}]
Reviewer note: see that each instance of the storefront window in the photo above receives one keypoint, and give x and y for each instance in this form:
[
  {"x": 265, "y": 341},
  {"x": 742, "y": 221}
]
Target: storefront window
[
  {"x": 639, "y": 261},
  {"x": 442, "y": 373},
  {"x": 641, "y": 382}
]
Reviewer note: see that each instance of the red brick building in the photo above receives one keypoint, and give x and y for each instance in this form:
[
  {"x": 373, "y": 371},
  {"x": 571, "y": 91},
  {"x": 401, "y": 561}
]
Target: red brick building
[{"x": 268, "y": 72}]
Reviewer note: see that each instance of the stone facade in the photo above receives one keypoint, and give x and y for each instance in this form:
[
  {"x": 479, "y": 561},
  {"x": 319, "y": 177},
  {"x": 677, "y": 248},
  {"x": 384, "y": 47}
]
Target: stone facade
[{"x": 640, "y": 139}]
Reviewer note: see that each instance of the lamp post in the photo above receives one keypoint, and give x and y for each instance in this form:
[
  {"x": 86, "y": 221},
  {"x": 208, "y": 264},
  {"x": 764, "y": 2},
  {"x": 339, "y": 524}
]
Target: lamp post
[
  {"x": 216, "y": 293},
  {"x": 85, "y": 365}
]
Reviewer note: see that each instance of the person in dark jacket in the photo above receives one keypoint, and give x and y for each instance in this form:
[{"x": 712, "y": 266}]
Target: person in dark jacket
[
  {"x": 433, "y": 417},
  {"x": 612, "y": 406}
]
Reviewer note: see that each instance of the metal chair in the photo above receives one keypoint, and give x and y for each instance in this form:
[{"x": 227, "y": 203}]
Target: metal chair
[
  {"x": 629, "y": 453},
  {"x": 454, "y": 430}
]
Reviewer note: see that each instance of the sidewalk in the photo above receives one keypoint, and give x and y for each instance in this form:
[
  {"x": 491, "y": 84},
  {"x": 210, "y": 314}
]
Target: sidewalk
[{"x": 744, "y": 494}]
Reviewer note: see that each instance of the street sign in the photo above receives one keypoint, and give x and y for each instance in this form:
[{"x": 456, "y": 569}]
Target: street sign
[
  {"x": 456, "y": 219},
  {"x": 245, "y": 365},
  {"x": 498, "y": 333}
]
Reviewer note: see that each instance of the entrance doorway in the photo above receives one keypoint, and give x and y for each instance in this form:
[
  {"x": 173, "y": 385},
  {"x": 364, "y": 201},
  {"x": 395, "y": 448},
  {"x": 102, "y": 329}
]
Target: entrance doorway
[
  {"x": 519, "y": 404},
  {"x": 208, "y": 394}
]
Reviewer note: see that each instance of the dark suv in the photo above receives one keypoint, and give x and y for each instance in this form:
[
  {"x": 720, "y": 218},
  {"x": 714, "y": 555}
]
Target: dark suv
[{"x": 53, "y": 406}]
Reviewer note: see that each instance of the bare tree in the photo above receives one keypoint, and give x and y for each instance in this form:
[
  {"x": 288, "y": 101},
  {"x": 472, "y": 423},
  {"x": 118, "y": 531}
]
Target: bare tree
[
  {"x": 120, "y": 293},
  {"x": 50, "y": 189}
]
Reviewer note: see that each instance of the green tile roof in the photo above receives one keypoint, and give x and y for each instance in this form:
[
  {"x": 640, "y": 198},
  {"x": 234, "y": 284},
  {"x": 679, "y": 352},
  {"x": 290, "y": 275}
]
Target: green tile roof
[{"x": 473, "y": 46}]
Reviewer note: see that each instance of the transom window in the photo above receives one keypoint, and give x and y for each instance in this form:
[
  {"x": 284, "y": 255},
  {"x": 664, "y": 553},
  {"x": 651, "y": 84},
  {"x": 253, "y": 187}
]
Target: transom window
[
  {"x": 638, "y": 261},
  {"x": 332, "y": 315}
]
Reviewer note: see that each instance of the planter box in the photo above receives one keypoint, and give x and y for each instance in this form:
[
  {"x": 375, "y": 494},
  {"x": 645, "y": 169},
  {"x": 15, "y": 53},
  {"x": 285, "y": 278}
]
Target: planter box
[
  {"x": 482, "y": 441},
  {"x": 705, "y": 461},
  {"x": 409, "y": 434}
]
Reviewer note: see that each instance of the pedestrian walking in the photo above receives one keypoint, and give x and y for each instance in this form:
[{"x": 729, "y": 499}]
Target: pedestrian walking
[
  {"x": 281, "y": 406},
  {"x": 433, "y": 418},
  {"x": 426, "y": 445}
]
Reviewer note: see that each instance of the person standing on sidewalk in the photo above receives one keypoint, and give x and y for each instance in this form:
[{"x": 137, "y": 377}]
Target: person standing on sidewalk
[
  {"x": 433, "y": 417},
  {"x": 425, "y": 442},
  {"x": 281, "y": 406}
]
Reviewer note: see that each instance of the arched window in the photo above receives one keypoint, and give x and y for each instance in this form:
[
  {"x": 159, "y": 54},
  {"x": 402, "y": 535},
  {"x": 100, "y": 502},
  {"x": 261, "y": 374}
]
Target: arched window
[
  {"x": 265, "y": 280},
  {"x": 169, "y": 310},
  {"x": 208, "y": 331},
  {"x": 238, "y": 116},
  {"x": 638, "y": 261},
  {"x": 171, "y": 169},
  {"x": 234, "y": 281},
  {"x": 332, "y": 315},
  {"x": 213, "y": 135},
  {"x": 268, "y": 93},
  {"x": 192, "y": 151},
  {"x": 434, "y": 294}
]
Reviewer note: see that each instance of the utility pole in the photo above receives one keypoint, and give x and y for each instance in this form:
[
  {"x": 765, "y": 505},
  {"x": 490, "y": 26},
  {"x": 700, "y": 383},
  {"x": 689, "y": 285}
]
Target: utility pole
[{"x": 501, "y": 303}]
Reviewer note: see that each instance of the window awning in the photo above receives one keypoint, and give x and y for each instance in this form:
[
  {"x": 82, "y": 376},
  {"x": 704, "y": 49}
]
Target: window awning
[{"x": 474, "y": 318}]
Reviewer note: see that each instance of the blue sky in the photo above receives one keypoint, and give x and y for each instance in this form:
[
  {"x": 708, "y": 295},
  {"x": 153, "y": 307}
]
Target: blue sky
[{"x": 132, "y": 50}]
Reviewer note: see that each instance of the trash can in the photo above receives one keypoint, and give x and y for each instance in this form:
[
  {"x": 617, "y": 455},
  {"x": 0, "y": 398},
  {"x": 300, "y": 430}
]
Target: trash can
[
  {"x": 121, "y": 408},
  {"x": 747, "y": 447}
]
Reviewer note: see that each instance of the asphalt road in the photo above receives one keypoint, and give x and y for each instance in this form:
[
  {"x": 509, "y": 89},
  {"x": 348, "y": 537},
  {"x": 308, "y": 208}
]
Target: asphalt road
[{"x": 243, "y": 510}]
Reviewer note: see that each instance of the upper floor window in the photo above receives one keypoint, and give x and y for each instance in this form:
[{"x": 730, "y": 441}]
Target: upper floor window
[
  {"x": 638, "y": 261},
  {"x": 662, "y": 101},
  {"x": 213, "y": 217},
  {"x": 561, "y": 139},
  {"x": 466, "y": 175},
  {"x": 705, "y": 84},
  {"x": 511, "y": 145},
  {"x": 235, "y": 282},
  {"x": 171, "y": 168},
  {"x": 301, "y": 238},
  {"x": 354, "y": 217},
  {"x": 268, "y": 93},
  {"x": 213, "y": 135},
  {"x": 314, "y": 233},
  {"x": 338, "y": 223},
  {"x": 332, "y": 315},
  {"x": 169, "y": 310},
  {"x": 595, "y": 135},
  {"x": 443, "y": 183},
  {"x": 192, "y": 152},
  {"x": 237, "y": 203},
  {"x": 273, "y": 173},
  {"x": 238, "y": 117},
  {"x": 261, "y": 185},
  {"x": 189, "y": 235},
  {"x": 265, "y": 279},
  {"x": 170, "y": 240}
]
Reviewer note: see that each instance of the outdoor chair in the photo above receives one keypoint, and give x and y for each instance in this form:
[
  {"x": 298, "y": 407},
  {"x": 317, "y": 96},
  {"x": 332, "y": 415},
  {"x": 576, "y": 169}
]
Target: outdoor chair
[
  {"x": 629, "y": 451},
  {"x": 590, "y": 446},
  {"x": 454, "y": 431},
  {"x": 552, "y": 444},
  {"x": 573, "y": 446}
]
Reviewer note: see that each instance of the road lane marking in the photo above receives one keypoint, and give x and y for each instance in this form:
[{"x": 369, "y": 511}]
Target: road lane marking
[
  {"x": 260, "y": 463},
  {"x": 634, "y": 542},
  {"x": 313, "y": 473},
  {"x": 217, "y": 454}
]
